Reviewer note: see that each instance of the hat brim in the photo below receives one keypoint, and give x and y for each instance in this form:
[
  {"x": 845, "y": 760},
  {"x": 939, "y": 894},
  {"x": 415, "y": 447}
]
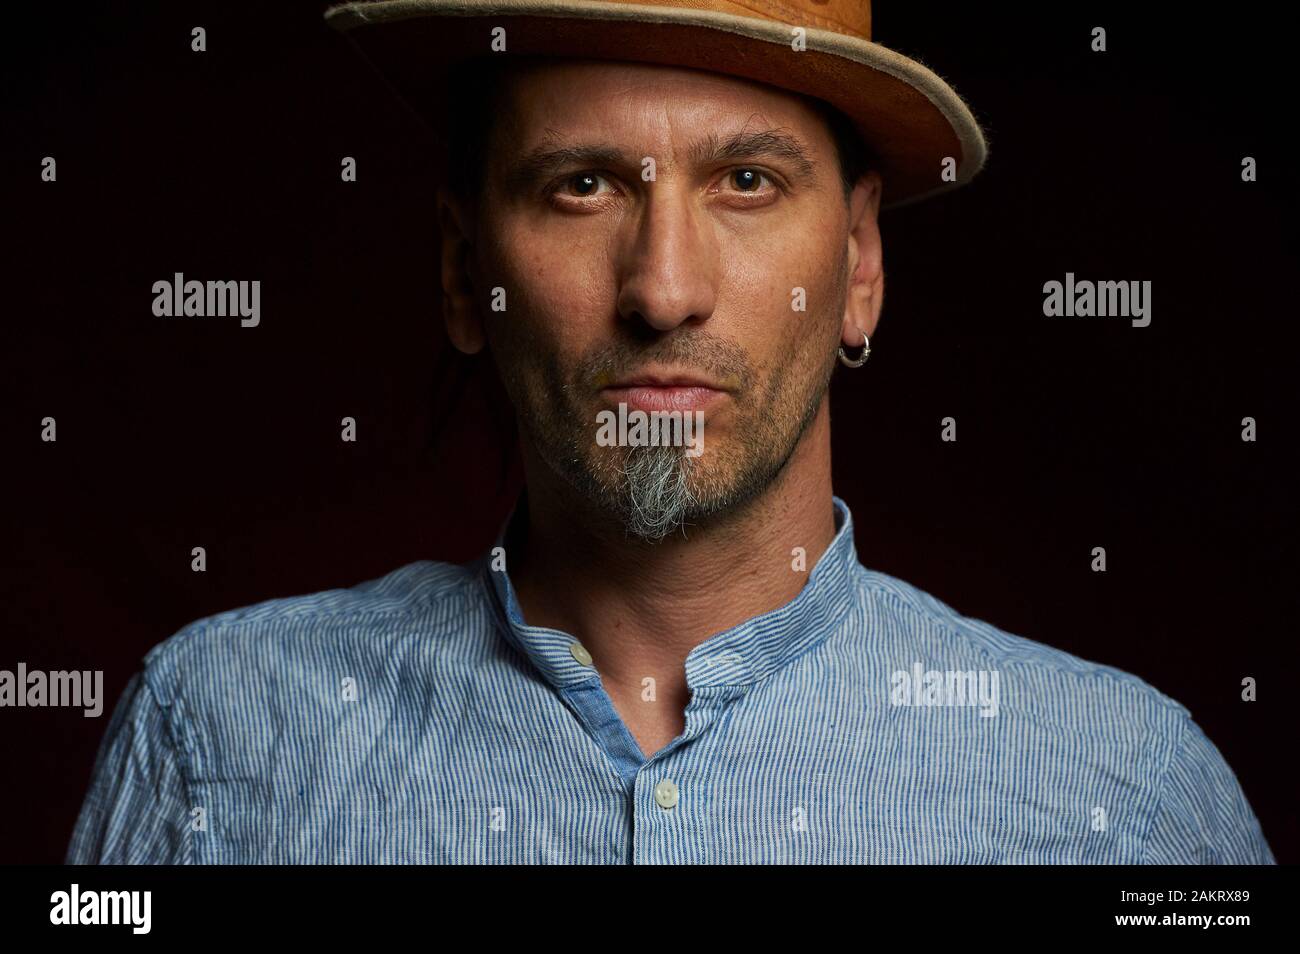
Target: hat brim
[{"x": 911, "y": 119}]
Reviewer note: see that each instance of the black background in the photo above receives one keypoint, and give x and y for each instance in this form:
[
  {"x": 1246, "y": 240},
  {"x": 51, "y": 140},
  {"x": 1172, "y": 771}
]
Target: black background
[{"x": 1072, "y": 433}]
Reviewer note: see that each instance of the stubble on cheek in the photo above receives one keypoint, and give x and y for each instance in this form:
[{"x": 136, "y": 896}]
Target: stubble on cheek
[{"x": 554, "y": 392}]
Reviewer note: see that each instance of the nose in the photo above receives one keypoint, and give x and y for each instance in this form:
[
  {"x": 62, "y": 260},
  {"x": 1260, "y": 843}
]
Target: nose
[{"x": 669, "y": 270}]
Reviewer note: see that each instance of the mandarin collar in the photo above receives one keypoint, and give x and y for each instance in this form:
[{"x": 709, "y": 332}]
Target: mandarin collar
[{"x": 740, "y": 656}]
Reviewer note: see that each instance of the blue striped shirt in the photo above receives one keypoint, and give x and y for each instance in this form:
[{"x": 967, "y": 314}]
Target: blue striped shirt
[{"x": 416, "y": 718}]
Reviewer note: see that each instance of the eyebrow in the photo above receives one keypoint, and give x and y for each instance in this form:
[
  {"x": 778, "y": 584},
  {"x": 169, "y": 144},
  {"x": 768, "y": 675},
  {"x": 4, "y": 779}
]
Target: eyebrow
[{"x": 742, "y": 146}]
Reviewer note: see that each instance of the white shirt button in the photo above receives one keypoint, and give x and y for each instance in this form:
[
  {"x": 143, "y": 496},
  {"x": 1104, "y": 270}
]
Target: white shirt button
[
  {"x": 666, "y": 793},
  {"x": 580, "y": 653}
]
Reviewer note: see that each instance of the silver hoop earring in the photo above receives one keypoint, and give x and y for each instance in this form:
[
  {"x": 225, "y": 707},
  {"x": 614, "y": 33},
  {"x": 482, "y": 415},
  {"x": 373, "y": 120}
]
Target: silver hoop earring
[{"x": 861, "y": 359}]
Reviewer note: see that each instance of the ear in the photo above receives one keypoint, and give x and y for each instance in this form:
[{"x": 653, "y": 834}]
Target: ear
[
  {"x": 866, "y": 290},
  {"x": 464, "y": 327}
]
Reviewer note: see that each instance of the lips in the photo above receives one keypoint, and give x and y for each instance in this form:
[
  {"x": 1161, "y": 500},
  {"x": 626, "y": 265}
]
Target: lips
[
  {"x": 665, "y": 390},
  {"x": 641, "y": 397}
]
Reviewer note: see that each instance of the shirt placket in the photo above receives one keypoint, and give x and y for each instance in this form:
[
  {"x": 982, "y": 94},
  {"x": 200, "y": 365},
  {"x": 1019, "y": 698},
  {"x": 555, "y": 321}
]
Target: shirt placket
[{"x": 667, "y": 803}]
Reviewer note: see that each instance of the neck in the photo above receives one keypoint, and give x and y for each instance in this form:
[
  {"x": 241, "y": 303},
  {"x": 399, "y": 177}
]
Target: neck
[{"x": 640, "y": 608}]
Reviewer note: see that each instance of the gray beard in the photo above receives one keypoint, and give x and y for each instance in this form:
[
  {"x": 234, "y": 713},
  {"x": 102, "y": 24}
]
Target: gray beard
[
  {"x": 654, "y": 492},
  {"x": 659, "y": 496},
  {"x": 657, "y": 491}
]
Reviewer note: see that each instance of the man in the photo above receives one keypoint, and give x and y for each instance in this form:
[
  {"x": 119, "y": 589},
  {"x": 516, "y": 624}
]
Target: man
[{"x": 672, "y": 654}]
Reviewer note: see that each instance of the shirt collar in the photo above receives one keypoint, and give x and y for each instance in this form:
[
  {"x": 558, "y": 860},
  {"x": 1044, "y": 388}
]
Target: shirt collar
[{"x": 740, "y": 656}]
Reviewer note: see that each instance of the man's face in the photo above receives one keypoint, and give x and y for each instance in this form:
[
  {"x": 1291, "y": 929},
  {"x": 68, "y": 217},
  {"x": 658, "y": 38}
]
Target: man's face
[{"x": 717, "y": 286}]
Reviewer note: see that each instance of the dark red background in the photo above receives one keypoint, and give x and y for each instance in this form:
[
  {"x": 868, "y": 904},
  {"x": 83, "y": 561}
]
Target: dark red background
[{"x": 1072, "y": 433}]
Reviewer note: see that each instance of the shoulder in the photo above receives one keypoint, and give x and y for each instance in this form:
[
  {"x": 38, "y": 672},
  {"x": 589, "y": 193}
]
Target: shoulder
[
  {"x": 328, "y": 626},
  {"x": 1072, "y": 720},
  {"x": 910, "y": 625}
]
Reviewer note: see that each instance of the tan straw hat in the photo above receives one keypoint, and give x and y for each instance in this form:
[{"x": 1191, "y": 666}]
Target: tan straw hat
[{"x": 910, "y": 118}]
